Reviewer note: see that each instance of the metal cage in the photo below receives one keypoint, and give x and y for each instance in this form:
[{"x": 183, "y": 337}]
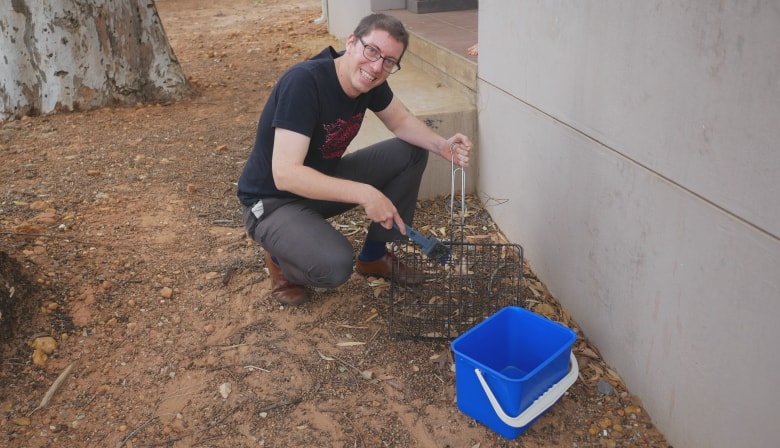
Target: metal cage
[{"x": 478, "y": 280}]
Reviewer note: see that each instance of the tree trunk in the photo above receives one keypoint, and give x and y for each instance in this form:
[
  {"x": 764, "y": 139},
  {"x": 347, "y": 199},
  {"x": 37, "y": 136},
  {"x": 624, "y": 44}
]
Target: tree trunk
[{"x": 84, "y": 54}]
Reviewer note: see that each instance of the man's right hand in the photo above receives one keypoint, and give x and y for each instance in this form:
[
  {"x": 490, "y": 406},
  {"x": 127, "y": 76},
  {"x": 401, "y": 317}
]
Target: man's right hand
[{"x": 381, "y": 210}]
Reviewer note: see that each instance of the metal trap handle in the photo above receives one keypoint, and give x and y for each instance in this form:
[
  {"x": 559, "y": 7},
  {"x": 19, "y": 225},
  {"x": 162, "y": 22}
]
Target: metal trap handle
[{"x": 454, "y": 171}]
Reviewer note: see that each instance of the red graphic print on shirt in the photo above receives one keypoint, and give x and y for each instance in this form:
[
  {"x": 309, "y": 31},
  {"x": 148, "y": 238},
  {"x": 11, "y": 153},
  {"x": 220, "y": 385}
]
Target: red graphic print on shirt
[{"x": 339, "y": 135}]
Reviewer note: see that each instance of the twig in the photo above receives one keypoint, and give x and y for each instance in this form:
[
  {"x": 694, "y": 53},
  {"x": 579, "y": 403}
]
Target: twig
[
  {"x": 231, "y": 347},
  {"x": 373, "y": 337},
  {"x": 53, "y": 389},
  {"x": 46, "y": 235},
  {"x": 225, "y": 221},
  {"x": 368, "y": 344},
  {"x": 136, "y": 431},
  {"x": 253, "y": 282},
  {"x": 191, "y": 433},
  {"x": 357, "y": 430},
  {"x": 365, "y": 374},
  {"x": 271, "y": 407},
  {"x": 228, "y": 275},
  {"x": 208, "y": 439},
  {"x": 493, "y": 275}
]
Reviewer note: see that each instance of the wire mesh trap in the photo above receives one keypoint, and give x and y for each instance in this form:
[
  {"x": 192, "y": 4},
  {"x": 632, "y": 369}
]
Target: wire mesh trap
[{"x": 478, "y": 280}]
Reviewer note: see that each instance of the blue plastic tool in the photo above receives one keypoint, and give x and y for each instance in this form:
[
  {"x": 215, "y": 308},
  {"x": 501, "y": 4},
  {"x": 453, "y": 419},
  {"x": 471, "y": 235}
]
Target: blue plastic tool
[{"x": 431, "y": 247}]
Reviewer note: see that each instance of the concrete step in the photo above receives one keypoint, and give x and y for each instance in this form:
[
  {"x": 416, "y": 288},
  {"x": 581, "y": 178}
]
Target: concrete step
[{"x": 439, "y": 87}]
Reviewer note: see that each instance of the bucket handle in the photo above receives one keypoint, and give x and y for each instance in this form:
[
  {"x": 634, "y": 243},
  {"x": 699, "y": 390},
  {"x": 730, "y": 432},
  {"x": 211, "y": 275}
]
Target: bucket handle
[{"x": 541, "y": 404}]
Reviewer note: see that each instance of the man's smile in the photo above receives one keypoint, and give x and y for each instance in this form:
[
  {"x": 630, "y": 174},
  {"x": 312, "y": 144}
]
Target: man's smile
[{"x": 365, "y": 75}]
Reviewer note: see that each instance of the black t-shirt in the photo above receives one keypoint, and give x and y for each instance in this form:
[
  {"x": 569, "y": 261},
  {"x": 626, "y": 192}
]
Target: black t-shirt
[{"x": 309, "y": 100}]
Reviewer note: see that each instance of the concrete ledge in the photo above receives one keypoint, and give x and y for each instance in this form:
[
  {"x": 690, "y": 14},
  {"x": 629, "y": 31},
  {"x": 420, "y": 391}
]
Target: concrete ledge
[{"x": 448, "y": 67}]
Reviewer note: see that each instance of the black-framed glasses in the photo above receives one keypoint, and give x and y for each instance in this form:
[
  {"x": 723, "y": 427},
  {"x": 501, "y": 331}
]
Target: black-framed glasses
[{"x": 372, "y": 53}]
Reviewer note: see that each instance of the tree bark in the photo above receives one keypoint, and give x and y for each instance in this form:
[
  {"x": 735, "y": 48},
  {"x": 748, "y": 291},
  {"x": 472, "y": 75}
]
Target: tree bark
[{"x": 84, "y": 54}]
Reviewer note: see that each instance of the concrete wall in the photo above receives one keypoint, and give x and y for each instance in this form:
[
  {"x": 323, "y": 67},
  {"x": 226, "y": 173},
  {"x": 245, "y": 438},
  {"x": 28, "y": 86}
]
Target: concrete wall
[
  {"x": 632, "y": 149},
  {"x": 344, "y": 15}
]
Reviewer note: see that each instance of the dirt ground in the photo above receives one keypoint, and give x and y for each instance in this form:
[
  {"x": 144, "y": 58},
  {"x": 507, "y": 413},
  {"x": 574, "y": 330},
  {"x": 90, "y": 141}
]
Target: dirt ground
[{"x": 132, "y": 277}]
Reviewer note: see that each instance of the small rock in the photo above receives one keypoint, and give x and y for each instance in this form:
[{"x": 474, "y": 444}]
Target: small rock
[
  {"x": 46, "y": 344},
  {"x": 225, "y": 389},
  {"x": 608, "y": 443},
  {"x": 209, "y": 328},
  {"x": 45, "y": 218},
  {"x": 39, "y": 358},
  {"x": 166, "y": 293},
  {"x": 636, "y": 410},
  {"x": 604, "y": 387}
]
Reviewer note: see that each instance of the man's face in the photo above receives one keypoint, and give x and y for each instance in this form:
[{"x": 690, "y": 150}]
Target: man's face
[{"x": 365, "y": 74}]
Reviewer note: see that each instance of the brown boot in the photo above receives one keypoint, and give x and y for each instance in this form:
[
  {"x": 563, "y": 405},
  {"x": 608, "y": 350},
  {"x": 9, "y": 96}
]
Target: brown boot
[
  {"x": 282, "y": 290},
  {"x": 383, "y": 267}
]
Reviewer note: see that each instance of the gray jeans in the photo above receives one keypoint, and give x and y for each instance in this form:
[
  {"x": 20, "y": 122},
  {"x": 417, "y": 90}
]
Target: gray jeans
[{"x": 310, "y": 251}]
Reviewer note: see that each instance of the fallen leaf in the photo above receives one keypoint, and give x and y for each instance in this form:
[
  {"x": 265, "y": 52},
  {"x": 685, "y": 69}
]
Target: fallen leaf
[
  {"x": 326, "y": 358},
  {"x": 587, "y": 351},
  {"x": 545, "y": 310},
  {"x": 442, "y": 360},
  {"x": 21, "y": 421},
  {"x": 350, "y": 344},
  {"x": 612, "y": 375}
]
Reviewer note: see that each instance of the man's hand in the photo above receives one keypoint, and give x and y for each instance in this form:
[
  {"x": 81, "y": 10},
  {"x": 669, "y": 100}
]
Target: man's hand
[
  {"x": 458, "y": 150},
  {"x": 381, "y": 210}
]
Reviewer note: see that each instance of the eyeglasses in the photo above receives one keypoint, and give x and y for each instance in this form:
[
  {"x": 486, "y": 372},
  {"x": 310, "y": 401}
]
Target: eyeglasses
[{"x": 372, "y": 54}]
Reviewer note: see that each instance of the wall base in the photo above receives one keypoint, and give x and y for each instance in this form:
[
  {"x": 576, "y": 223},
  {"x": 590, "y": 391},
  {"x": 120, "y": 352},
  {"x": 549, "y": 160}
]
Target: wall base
[{"x": 424, "y": 6}]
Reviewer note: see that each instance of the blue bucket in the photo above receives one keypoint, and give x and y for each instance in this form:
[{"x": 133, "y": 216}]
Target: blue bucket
[{"x": 511, "y": 368}]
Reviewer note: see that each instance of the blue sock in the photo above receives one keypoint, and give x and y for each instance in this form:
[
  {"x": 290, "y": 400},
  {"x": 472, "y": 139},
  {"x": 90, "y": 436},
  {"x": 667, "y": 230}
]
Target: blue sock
[{"x": 372, "y": 250}]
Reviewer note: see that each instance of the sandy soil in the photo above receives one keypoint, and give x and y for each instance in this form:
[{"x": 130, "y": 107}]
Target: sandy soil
[{"x": 125, "y": 247}]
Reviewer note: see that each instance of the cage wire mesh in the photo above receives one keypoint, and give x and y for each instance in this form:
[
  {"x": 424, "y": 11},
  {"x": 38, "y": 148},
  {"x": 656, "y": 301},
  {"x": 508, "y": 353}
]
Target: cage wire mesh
[{"x": 479, "y": 279}]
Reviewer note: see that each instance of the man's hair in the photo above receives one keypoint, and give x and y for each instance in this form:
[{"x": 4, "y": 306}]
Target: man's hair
[{"x": 384, "y": 22}]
